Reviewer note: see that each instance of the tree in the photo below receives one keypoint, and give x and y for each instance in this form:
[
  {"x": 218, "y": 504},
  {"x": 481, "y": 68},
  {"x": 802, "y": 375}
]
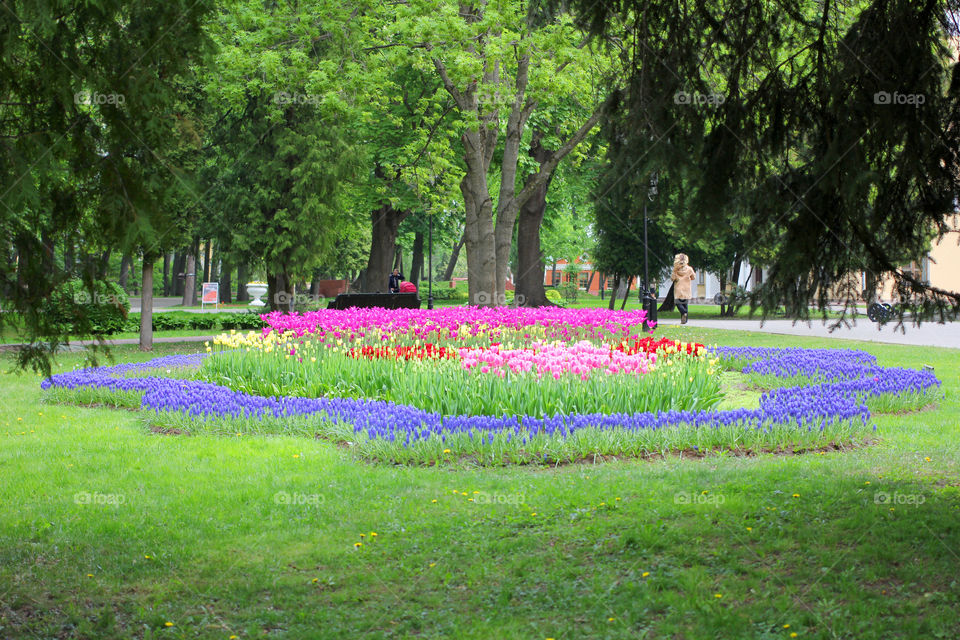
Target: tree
[
  {"x": 499, "y": 66},
  {"x": 83, "y": 124},
  {"x": 282, "y": 139},
  {"x": 832, "y": 124}
]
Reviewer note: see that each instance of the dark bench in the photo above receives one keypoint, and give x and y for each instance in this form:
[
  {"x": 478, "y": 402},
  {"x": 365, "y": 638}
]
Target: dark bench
[{"x": 384, "y": 300}]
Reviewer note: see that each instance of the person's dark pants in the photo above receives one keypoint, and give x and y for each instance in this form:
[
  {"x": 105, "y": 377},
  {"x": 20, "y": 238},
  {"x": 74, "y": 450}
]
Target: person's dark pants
[{"x": 681, "y": 305}]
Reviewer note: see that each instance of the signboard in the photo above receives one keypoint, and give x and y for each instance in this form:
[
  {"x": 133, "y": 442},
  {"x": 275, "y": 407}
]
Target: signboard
[{"x": 211, "y": 294}]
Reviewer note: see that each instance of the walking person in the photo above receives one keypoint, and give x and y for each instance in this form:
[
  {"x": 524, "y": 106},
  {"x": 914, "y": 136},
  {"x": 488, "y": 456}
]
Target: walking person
[
  {"x": 683, "y": 276},
  {"x": 393, "y": 285}
]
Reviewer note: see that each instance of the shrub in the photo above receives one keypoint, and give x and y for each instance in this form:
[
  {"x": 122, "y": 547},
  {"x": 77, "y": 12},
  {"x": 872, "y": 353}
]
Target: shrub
[
  {"x": 203, "y": 321},
  {"x": 241, "y": 321},
  {"x": 103, "y": 312},
  {"x": 569, "y": 291},
  {"x": 554, "y": 296},
  {"x": 443, "y": 291}
]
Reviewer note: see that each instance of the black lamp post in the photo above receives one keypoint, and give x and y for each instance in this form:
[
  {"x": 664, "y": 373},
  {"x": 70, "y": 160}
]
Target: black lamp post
[
  {"x": 647, "y": 298},
  {"x": 430, "y": 265}
]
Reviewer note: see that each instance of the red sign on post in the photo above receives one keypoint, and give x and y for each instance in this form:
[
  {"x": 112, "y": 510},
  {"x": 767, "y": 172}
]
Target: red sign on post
[{"x": 211, "y": 293}]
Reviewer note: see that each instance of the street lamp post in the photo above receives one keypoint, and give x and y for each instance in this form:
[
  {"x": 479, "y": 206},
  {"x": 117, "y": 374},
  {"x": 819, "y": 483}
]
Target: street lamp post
[
  {"x": 430, "y": 265},
  {"x": 648, "y": 300}
]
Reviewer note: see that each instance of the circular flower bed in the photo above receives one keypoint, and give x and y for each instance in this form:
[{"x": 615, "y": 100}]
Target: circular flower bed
[{"x": 501, "y": 386}]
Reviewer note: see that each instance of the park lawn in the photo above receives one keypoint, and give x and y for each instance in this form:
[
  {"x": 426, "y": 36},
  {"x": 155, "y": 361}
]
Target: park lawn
[
  {"x": 8, "y": 336},
  {"x": 255, "y": 537}
]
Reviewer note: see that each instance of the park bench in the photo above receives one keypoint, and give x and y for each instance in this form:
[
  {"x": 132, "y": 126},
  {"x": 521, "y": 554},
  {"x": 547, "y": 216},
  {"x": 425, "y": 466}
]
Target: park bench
[{"x": 384, "y": 300}]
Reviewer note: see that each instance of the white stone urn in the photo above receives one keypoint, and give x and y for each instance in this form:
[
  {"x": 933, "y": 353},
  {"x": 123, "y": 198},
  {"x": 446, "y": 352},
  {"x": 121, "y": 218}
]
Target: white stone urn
[{"x": 256, "y": 290}]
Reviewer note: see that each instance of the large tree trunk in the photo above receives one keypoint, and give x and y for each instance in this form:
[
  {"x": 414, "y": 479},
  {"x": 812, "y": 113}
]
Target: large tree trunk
[
  {"x": 454, "y": 258},
  {"x": 225, "y": 293},
  {"x": 530, "y": 268},
  {"x": 190, "y": 280},
  {"x": 146, "y": 305},
  {"x": 280, "y": 292},
  {"x": 383, "y": 246},
  {"x": 626, "y": 294},
  {"x": 416, "y": 261},
  {"x": 242, "y": 278}
]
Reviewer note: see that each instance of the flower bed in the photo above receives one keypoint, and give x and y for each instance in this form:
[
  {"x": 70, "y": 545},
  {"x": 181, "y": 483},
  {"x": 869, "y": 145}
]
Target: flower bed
[{"x": 529, "y": 359}]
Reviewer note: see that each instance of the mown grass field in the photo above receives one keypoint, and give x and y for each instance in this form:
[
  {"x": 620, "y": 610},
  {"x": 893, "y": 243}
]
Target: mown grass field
[{"x": 110, "y": 531}]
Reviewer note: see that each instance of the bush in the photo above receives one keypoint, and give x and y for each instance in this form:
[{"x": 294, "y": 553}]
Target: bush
[
  {"x": 246, "y": 321},
  {"x": 102, "y": 313},
  {"x": 443, "y": 291},
  {"x": 569, "y": 291},
  {"x": 170, "y": 321},
  {"x": 554, "y": 296},
  {"x": 203, "y": 321}
]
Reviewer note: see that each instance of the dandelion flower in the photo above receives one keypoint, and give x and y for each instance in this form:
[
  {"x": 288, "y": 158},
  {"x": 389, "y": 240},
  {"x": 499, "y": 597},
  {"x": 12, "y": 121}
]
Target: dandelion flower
[
  {"x": 168, "y": 624},
  {"x": 644, "y": 574},
  {"x": 718, "y": 595}
]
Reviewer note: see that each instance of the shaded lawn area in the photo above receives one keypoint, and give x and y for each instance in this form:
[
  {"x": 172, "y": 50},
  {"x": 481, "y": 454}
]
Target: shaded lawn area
[{"x": 110, "y": 531}]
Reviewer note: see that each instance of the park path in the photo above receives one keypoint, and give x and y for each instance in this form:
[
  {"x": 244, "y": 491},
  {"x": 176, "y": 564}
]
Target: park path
[{"x": 928, "y": 334}]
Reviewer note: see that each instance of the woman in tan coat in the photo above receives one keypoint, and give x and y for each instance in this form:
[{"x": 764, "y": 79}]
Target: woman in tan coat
[{"x": 683, "y": 276}]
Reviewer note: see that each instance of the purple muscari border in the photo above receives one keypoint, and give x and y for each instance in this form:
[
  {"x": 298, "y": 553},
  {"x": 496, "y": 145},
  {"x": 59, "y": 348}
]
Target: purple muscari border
[{"x": 845, "y": 379}]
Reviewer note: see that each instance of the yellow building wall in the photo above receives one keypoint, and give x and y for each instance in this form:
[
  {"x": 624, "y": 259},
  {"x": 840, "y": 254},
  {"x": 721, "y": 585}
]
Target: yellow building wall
[{"x": 945, "y": 260}]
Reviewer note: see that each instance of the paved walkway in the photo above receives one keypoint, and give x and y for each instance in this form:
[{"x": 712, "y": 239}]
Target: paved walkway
[{"x": 928, "y": 334}]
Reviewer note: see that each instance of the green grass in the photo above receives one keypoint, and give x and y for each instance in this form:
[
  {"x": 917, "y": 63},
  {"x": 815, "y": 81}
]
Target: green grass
[
  {"x": 254, "y": 536},
  {"x": 10, "y": 337}
]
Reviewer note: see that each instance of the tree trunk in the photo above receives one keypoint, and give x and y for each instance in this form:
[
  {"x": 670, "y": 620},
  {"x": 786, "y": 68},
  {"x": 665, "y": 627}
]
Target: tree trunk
[
  {"x": 315, "y": 285},
  {"x": 398, "y": 261},
  {"x": 190, "y": 280},
  {"x": 626, "y": 295},
  {"x": 125, "y": 262},
  {"x": 416, "y": 261},
  {"x": 613, "y": 294},
  {"x": 454, "y": 258},
  {"x": 179, "y": 269},
  {"x": 280, "y": 292},
  {"x": 242, "y": 277},
  {"x": 166, "y": 273},
  {"x": 383, "y": 246},
  {"x": 225, "y": 293},
  {"x": 104, "y": 264},
  {"x": 146, "y": 304},
  {"x": 530, "y": 268},
  {"x": 68, "y": 256}
]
